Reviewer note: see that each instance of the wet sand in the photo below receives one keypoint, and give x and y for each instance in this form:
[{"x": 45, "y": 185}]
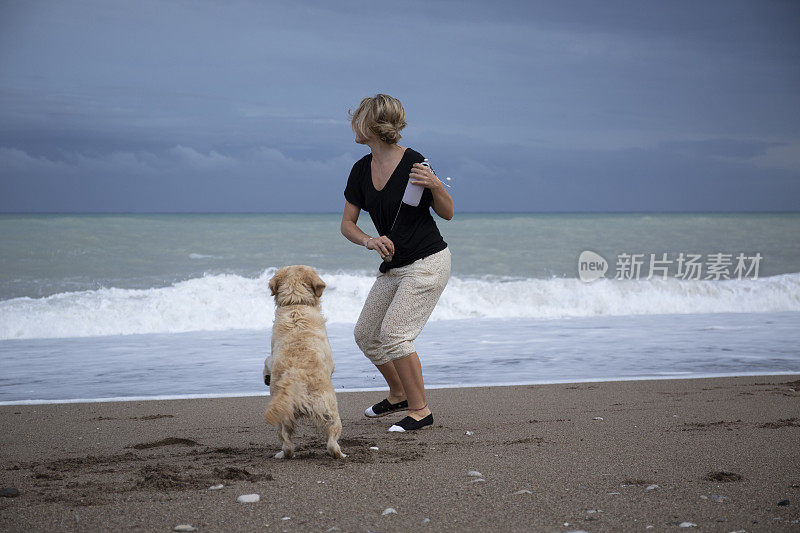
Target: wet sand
[{"x": 721, "y": 453}]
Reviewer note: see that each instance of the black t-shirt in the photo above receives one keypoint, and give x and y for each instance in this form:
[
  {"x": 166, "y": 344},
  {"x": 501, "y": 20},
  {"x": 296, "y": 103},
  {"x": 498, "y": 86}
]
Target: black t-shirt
[{"x": 415, "y": 234}]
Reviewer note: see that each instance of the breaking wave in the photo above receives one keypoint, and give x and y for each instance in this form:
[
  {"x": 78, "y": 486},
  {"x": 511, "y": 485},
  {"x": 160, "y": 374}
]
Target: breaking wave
[{"x": 228, "y": 301}]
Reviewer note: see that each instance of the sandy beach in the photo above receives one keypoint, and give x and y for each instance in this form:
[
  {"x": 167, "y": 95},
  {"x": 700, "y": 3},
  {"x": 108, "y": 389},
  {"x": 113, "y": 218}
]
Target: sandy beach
[{"x": 720, "y": 453}]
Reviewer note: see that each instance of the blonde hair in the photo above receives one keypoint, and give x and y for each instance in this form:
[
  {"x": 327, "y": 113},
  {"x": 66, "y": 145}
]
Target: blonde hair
[{"x": 382, "y": 114}]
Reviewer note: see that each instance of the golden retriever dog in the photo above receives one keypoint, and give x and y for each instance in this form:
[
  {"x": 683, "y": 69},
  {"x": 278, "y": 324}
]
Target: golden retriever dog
[{"x": 299, "y": 367}]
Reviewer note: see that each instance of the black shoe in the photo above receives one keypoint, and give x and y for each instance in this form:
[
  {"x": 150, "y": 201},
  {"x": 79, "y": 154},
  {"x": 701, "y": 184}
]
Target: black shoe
[
  {"x": 410, "y": 424},
  {"x": 383, "y": 408}
]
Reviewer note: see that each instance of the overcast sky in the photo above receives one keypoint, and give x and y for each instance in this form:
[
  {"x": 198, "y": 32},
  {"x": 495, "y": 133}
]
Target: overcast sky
[{"x": 553, "y": 106}]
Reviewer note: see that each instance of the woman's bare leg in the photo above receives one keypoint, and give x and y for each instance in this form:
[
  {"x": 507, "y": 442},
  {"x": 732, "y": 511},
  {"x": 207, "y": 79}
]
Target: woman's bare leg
[
  {"x": 409, "y": 370},
  {"x": 396, "y": 391}
]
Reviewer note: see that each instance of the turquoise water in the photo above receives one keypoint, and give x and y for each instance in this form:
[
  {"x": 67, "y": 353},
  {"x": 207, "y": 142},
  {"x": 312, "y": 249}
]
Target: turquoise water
[
  {"x": 96, "y": 306},
  {"x": 42, "y": 255}
]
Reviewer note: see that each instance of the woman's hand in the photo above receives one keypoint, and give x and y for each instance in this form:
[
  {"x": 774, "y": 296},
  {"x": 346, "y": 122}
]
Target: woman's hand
[
  {"x": 384, "y": 245},
  {"x": 422, "y": 175}
]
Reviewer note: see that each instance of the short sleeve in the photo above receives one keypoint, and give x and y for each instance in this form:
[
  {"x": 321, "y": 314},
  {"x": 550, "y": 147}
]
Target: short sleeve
[
  {"x": 427, "y": 198},
  {"x": 427, "y": 195},
  {"x": 353, "y": 192}
]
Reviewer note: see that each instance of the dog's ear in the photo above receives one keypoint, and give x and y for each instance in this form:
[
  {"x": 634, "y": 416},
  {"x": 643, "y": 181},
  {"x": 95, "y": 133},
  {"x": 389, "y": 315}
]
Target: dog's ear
[
  {"x": 316, "y": 283},
  {"x": 276, "y": 280}
]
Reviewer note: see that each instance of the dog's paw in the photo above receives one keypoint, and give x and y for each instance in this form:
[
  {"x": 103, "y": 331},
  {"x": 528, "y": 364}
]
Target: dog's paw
[
  {"x": 337, "y": 453},
  {"x": 279, "y": 455}
]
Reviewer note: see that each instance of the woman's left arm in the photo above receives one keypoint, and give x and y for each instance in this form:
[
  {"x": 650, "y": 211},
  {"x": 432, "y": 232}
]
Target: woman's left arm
[{"x": 442, "y": 202}]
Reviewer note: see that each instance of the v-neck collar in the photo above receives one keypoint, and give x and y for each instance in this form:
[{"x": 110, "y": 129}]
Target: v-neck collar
[{"x": 390, "y": 176}]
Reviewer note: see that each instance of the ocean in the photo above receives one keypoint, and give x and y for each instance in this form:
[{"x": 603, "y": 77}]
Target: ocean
[{"x": 127, "y": 306}]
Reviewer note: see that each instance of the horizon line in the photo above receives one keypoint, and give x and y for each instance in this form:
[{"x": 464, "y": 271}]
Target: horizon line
[{"x": 782, "y": 211}]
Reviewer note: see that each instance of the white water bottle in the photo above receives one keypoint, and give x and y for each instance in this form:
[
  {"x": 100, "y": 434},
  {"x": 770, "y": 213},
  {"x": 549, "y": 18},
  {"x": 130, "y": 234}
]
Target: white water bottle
[{"x": 414, "y": 191}]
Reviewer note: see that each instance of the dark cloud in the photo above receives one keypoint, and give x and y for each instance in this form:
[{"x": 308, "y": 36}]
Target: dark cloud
[
  {"x": 732, "y": 148},
  {"x": 156, "y": 106}
]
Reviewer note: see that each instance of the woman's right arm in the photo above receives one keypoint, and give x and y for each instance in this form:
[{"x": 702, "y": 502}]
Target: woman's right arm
[{"x": 354, "y": 234}]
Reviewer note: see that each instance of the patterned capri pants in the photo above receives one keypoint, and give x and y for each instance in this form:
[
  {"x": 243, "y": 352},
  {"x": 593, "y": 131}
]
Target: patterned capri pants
[{"x": 398, "y": 306}]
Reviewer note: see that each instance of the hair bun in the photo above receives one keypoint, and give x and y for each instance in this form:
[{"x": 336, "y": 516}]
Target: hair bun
[{"x": 381, "y": 114}]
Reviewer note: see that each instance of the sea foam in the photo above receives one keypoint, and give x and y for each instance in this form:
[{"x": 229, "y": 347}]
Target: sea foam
[{"x": 228, "y": 301}]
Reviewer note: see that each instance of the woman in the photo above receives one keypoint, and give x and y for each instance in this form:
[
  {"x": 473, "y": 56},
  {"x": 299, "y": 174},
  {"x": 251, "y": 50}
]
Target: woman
[{"x": 416, "y": 260}]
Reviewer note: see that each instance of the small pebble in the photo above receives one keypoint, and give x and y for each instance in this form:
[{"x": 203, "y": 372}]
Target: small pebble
[
  {"x": 248, "y": 498},
  {"x": 333, "y": 528},
  {"x": 373, "y": 448},
  {"x": 474, "y": 473},
  {"x": 613, "y": 493},
  {"x": 522, "y": 491},
  {"x": 718, "y": 498},
  {"x": 597, "y": 418},
  {"x": 783, "y": 502},
  {"x": 216, "y": 487},
  {"x": 477, "y": 480},
  {"x": 184, "y": 527},
  {"x": 388, "y": 511},
  {"x": 687, "y": 524},
  {"x": 286, "y": 518},
  {"x": 426, "y": 520},
  {"x": 652, "y": 487},
  {"x": 9, "y": 492},
  {"x": 469, "y": 433}
]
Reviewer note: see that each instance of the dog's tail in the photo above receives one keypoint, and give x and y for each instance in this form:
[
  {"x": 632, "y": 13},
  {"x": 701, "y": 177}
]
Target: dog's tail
[{"x": 281, "y": 408}]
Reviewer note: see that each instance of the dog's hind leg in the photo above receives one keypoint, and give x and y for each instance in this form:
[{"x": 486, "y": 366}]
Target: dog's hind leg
[
  {"x": 334, "y": 430},
  {"x": 287, "y": 449},
  {"x": 332, "y": 424}
]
